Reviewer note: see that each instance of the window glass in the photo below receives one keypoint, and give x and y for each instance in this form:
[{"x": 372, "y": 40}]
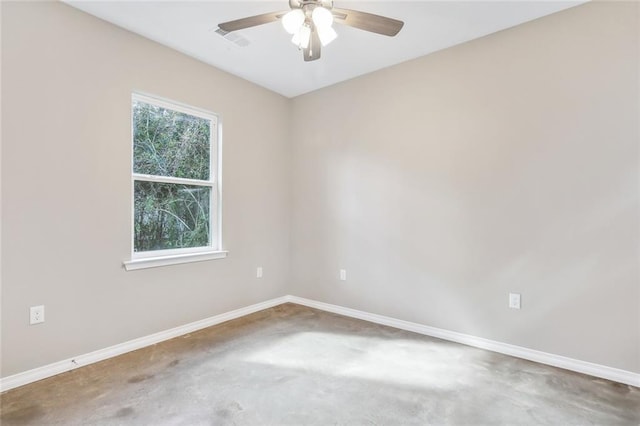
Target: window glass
[
  {"x": 175, "y": 185},
  {"x": 170, "y": 143}
]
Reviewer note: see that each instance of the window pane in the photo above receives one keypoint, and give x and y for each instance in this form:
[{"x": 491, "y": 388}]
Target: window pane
[
  {"x": 170, "y": 143},
  {"x": 170, "y": 216}
]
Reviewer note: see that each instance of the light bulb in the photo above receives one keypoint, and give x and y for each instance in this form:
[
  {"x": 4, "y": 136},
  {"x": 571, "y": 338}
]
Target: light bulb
[
  {"x": 292, "y": 21},
  {"x": 301, "y": 37},
  {"x": 322, "y": 17},
  {"x": 326, "y": 35}
]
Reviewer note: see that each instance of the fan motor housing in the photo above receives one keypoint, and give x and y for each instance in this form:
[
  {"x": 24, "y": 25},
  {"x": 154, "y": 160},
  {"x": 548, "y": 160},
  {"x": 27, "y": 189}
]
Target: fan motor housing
[{"x": 300, "y": 4}]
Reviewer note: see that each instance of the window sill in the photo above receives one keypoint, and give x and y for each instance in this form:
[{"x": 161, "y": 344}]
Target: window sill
[{"x": 154, "y": 262}]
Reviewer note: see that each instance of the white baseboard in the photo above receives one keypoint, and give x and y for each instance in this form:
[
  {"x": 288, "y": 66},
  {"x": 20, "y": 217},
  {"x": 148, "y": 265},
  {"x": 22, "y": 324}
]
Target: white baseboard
[
  {"x": 49, "y": 370},
  {"x": 597, "y": 370}
]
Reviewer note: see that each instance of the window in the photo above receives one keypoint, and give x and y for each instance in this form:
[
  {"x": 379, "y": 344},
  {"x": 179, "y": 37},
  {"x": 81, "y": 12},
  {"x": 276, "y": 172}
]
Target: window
[{"x": 175, "y": 184}]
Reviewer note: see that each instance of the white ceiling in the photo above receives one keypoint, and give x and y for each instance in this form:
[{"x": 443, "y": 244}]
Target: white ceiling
[{"x": 272, "y": 61}]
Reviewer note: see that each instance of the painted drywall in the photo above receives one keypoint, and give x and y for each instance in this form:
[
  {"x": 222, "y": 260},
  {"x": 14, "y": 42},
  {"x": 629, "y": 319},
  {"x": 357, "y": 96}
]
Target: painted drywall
[
  {"x": 507, "y": 164},
  {"x": 67, "y": 80}
]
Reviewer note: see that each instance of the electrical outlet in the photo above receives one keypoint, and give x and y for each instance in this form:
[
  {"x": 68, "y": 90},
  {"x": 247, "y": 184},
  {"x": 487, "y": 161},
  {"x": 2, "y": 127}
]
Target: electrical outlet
[
  {"x": 36, "y": 314},
  {"x": 514, "y": 300},
  {"x": 259, "y": 272},
  {"x": 343, "y": 274}
]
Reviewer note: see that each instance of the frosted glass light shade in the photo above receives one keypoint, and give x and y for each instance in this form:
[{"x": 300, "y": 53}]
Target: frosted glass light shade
[
  {"x": 322, "y": 17},
  {"x": 326, "y": 34},
  {"x": 292, "y": 21}
]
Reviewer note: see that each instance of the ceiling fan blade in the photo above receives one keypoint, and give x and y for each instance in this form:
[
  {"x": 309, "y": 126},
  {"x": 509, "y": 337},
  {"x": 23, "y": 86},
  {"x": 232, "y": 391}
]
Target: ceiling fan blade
[
  {"x": 251, "y": 21},
  {"x": 312, "y": 52},
  {"x": 368, "y": 21}
]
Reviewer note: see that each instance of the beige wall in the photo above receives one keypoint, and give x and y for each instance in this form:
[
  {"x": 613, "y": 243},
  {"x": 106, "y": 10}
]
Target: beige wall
[
  {"x": 509, "y": 163},
  {"x": 67, "y": 80}
]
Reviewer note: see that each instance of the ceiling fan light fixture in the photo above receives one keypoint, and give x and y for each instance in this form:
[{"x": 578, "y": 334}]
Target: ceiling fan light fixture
[
  {"x": 322, "y": 17},
  {"x": 302, "y": 36},
  {"x": 326, "y": 35},
  {"x": 311, "y": 24},
  {"x": 293, "y": 20}
]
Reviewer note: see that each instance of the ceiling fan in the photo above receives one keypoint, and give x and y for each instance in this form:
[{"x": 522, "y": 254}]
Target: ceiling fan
[{"x": 310, "y": 23}]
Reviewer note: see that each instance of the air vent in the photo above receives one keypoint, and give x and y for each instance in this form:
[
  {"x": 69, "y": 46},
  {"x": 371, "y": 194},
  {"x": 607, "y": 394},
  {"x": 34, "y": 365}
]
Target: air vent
[{"x": 233, "y": 37}]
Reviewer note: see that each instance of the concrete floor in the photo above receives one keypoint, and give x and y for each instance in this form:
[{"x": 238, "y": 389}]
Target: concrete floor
[{"x": 291, "y": 365}]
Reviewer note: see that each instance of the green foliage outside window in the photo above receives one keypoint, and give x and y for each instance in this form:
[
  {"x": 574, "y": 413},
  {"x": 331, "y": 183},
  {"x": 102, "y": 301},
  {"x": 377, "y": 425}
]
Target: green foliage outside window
[{"x": 170, "y": 144}]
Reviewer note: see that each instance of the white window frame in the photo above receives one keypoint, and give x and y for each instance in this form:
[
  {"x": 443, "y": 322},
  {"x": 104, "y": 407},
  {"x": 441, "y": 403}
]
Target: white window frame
[{"x": 155, "y": 258}]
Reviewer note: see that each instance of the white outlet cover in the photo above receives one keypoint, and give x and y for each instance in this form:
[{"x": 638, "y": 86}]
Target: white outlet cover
[
  {"x": 514, "y": 300},
  {"x": 36, "y": 314},
  {"x": 343, "y": 274},
  {"x": 259, "y": 272}
]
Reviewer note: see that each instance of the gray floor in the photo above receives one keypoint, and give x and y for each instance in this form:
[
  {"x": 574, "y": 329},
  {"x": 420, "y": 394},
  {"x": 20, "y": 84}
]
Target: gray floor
[{"x": 292, "y": 365}]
